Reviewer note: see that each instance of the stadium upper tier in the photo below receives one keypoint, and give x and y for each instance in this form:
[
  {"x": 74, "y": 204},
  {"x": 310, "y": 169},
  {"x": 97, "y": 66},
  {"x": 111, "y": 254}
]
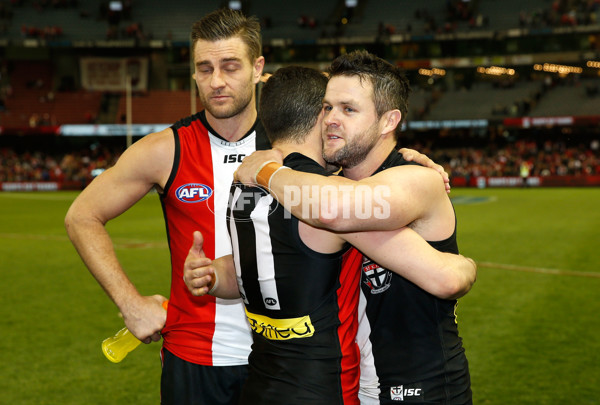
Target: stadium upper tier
[
  {"x": 308, "y": 20},
  {"x": 34, "y": 101},
  {"x": 46, "y": 85}
]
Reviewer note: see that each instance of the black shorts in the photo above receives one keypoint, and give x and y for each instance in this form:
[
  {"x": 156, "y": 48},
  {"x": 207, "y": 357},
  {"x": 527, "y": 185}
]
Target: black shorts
[{"x": 193, "y": 384}]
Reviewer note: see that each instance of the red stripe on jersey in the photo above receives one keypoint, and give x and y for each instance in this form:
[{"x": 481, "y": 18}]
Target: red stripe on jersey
[
  {"x": 191, "y": 343},
  {"x": 348, "y": 294}
]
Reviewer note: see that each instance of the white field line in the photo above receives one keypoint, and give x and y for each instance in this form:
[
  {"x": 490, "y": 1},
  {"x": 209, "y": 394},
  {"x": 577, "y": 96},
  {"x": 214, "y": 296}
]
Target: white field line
[
  {"x": 539, "y": 270},
  {"x": 40, "y": 196},
  {"x": 46, "y": 195},
  {"x": 119, "y": 244}
]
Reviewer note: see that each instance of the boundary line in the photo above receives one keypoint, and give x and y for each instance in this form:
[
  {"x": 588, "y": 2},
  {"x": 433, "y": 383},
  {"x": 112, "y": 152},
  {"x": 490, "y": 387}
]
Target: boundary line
[
  {"x": 118, "y": 244},
  {"x": 539, "y": 270}
]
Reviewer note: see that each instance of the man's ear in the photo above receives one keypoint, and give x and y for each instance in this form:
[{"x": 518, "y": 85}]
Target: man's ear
[
  {"x": 259, "y": 65},
  {"x": 390, "y": 121}
]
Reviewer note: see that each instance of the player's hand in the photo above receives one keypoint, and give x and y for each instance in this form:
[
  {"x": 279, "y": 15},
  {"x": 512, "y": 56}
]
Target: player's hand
[
  {"x": 251, "y": 165},
  {"x": 265, "y": 76},
  {"x": 145, "y": 317},
  {"x": 198, "y": 273},
  {"x": 424, "y": 160}
]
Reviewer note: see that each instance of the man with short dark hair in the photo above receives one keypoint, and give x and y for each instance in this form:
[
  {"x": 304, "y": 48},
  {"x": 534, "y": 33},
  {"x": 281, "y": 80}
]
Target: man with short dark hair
[
  {"x": 410, "y": 347},
  {"x": 206, "y": 340}
]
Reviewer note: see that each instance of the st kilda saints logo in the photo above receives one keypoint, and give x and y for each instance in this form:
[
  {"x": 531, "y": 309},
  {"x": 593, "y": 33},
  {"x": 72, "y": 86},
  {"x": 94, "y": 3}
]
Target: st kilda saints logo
[{"x": 376, "y": 277}]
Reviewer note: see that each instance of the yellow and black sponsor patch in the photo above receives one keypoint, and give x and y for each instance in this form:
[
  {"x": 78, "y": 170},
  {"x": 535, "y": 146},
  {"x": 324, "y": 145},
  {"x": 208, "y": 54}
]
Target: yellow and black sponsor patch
[{"x": 281, "y": 329}]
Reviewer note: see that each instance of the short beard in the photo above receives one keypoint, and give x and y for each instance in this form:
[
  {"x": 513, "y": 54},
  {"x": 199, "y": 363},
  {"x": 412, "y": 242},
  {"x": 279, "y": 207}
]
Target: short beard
[
  {"x": 240, "y": 103},
  {"x": 355, "y": 152}
]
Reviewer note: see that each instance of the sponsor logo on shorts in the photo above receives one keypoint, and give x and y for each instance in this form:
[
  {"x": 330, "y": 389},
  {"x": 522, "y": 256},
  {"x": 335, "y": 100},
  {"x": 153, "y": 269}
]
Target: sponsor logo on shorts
[
  {"x": 376, "y": 277},
  {"x": 193, "y": 193},
  {"x": 281, "y": 329},
  {"x": 400, "y": 393}
]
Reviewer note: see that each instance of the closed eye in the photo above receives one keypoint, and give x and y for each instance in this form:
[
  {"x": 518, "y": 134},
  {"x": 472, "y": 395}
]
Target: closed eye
[
  {"x": 204, "y": 68},
  {"x": 231, "y": 68}
]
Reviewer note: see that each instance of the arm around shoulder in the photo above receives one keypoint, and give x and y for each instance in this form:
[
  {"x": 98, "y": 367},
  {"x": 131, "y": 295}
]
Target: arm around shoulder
[
  {"x": 388, "y": 200},
  {"x": 462, "y": 275},
  {"x": 405, "y": 252}
]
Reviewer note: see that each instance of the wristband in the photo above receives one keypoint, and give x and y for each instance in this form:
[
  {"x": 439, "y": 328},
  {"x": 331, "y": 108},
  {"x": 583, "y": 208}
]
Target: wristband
[
  {"x": 214, "y": 282},
  {"x": 264, "y": 173},
  {"x": 273, "y": 174}
]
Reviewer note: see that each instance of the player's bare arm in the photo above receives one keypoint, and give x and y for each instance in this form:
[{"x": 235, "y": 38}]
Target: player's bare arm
[
  {"x": 388, "y": 200},
  {"x": 141, "y": 167},
  {"x": 205, "y": 276},
  {"x": 412, "y": 155},
  {"x": 403, "y": 251},
  {"x": 400, "y": 196}
]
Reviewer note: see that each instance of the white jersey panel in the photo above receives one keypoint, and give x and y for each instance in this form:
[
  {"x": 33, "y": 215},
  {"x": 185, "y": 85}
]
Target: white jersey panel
[
  {"x": 236, "y": 246},
  {"x": 227, "y": 156},
  {"x": 264, "y": 252},
  {"x": 369, "y": 381}
]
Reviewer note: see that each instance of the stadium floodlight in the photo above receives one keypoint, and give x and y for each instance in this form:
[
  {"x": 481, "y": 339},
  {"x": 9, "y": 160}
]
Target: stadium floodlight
[
  {"x": 235, "y": 5},
  {"x": 115, "y": 6}
]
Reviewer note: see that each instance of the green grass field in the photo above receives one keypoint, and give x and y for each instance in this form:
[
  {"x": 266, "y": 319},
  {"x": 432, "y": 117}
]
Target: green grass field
[{"x": 531, "y": 324}]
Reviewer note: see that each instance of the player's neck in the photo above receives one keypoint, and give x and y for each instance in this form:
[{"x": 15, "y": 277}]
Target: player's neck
[
  {"x": 289, "y": 147},
  {"x": 311, "y": 147}
]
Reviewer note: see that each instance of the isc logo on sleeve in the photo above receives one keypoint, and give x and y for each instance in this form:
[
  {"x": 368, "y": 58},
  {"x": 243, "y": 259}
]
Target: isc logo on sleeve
[{"x": 193, "y": 193}]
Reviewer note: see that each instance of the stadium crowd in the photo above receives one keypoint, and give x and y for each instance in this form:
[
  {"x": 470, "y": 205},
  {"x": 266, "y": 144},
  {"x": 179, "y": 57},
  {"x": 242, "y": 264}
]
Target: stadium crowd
[
  {"x": 546, "y": 159},
  {"x": 74, "y": 166},
  {"x": 561, "y": 13}
]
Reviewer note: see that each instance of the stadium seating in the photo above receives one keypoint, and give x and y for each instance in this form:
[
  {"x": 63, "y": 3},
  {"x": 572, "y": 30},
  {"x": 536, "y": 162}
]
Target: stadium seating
[
  {"x": 570, "y": 99},
  {"x": 399, "y": 13},
  {"x": 175, "y": 22},
  {"x": 74, "y": 26},
  {"x": 284, "y": 19},
  {"x": 37, "y": 95},
  {"x": 504, "y": 15},
  {"x": 86, "y": 21},
  {"x": 157, "y": 107},
  {"x": 35, "y": 101},
  {"x": 479, "y": 101}
]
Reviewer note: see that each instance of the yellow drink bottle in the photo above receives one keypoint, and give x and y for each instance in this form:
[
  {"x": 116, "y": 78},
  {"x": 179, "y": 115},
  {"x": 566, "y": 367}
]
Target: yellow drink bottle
[{"x": 116, "y": 347}]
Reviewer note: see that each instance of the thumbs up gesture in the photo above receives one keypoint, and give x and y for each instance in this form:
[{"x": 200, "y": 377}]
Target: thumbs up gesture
[{"x": 198, "y": 271}]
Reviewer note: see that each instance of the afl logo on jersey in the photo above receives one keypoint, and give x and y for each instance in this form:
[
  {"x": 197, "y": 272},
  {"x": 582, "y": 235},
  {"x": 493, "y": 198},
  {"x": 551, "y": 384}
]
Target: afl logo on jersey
[{"x": 193, "y": 193}]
